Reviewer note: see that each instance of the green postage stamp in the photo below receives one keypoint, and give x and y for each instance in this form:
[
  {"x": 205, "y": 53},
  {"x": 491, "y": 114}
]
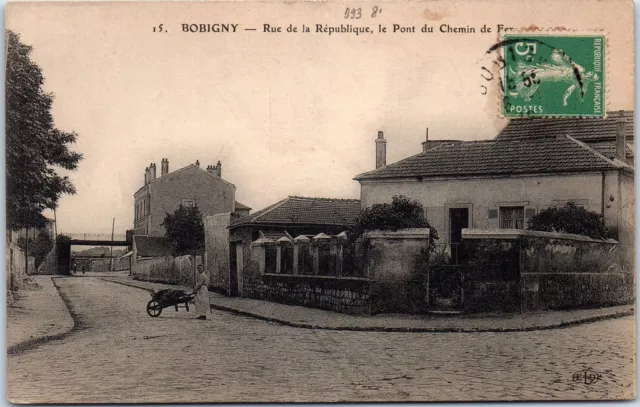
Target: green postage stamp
[{"x": 554, "y": 75}]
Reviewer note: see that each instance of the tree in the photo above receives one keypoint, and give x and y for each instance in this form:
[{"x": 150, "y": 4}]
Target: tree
[
  {"x": 570, "y": 219},
  {"x": 402, "y": 213},
  {"x": 40, "y": 247},
  {"x": 185, "y": 230},
  {"x": 33, "y": 144}
]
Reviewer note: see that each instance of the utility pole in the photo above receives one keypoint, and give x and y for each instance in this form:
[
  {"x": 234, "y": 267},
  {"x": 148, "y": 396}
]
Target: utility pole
[
  {"x": 113, "y": 225},
  {"x": 55, "y": 225},
  {"x": 26, "y": 251}
]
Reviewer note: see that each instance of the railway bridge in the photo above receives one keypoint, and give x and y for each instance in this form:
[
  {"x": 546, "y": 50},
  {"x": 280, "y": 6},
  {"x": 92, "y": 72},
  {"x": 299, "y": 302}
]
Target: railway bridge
[{"x": 66, "y": 240}]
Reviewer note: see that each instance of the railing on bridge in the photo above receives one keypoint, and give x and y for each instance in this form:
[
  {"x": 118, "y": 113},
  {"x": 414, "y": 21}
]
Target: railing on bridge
[{"x": 102, "y": 237}]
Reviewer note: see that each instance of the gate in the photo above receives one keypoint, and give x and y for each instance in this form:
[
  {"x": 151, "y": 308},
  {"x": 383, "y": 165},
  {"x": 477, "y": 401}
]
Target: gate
[
  {"x": 445, "y": 288},
  {"x": 445, "y": 281}
]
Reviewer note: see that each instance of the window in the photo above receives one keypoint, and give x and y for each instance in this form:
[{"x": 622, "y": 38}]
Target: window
[
  {"x": 512, "y": 217},
  {"x": 188, "y": 203}
]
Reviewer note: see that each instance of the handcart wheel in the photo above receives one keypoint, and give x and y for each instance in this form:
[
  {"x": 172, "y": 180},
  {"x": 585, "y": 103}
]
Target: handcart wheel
[{"x": 154, "y": 309}]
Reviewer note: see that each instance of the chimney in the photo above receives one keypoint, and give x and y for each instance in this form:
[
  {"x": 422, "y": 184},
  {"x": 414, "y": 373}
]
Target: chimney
[
  {"x": 211, "y": 169},
  {"x": 425, "y": 144},
  {"x": 381, "y": 151},
  {"x": 621, "y": 139},
  {"x": 152, "y": 172},
  {"x": 198, "y": 163},
  {"x": 218, "y": 169},
  {"x": 164, "y": 167},
  {"x": 146, "y": 175}
]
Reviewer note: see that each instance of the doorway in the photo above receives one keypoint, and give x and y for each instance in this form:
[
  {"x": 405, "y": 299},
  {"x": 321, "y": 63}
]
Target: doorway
[
  {"x": 445, "y": 280},
  {"x": 458, "y": 220},
  {"x": 236, "y": 265}
]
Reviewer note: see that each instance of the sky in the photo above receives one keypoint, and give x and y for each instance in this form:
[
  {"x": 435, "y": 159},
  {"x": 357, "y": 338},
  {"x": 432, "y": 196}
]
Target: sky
[{"x": 285, "y": 113}]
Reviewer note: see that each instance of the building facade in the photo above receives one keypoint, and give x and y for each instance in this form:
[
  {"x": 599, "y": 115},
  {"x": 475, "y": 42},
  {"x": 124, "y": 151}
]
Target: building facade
[
  {"x": 504, "y": 182},
  {"x": 188, "y": 186}
]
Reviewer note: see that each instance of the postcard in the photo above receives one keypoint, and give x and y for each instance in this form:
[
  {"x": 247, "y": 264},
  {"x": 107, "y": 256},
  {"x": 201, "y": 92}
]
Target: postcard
[{"x": 327, "y": 202}]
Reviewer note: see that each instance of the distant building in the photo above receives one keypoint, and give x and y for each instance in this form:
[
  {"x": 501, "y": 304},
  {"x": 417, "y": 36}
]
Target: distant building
[
  {"x": 188, "y": 186},
  {"x": 242, "y": 210},
  {"x": 33, "y": 233}
]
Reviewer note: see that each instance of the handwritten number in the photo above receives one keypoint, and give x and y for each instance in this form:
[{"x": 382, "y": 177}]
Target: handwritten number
[{"x": 353, "y": 13}]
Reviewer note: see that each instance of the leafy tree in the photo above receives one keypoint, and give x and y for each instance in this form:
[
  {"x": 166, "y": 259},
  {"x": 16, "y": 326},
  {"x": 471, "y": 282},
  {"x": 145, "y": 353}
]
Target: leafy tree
[
  {"x": 40, "y": 247},
  {"x": 570, "y": 219},
  {"x": 401, "y": 213},
  {"x": 33, "y": 144},
  {"x": 185, "y": 230}
]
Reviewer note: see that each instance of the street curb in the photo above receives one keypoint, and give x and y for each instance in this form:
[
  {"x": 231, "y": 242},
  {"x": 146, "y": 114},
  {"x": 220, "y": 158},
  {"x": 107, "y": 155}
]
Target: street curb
[
  {"x": 425, "y": 330},
  {"x": 34, "y": 342},
  {"x": 560, "y": 325}
]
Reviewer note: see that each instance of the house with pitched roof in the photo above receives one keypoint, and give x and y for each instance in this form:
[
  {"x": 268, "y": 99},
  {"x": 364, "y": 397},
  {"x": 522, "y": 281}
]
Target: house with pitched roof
[
  {"x": 188, "y": 186},
  {"x": 531, "y": 165},
  {"x": 289, "y": 218}
]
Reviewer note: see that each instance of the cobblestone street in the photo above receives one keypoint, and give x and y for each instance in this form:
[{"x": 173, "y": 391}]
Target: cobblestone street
[{"x": 118, "y": 354}]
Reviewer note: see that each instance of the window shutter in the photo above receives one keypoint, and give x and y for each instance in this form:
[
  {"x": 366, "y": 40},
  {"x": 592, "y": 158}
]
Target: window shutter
[
  {"x": 529, "y": 213},
  {"x": 493, "y": 218}
]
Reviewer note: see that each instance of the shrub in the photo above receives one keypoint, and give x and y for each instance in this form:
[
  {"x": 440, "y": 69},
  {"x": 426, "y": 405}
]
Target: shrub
[
  {"x": 401, "y": 213},
  {"x": 570, "y": 219}
]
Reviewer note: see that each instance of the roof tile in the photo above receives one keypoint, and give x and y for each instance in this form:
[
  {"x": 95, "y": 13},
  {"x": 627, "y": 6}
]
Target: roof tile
[
  {"x": 584, "y": 129},
  {"x": 549, "y": 154},
  {"x": 296, "y": 210}
]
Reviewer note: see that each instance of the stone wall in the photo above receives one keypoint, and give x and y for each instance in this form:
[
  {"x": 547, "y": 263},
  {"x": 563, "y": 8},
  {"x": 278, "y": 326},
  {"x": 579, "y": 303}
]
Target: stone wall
[
  {"x": 217, "y": 250},
  {"x": 122, "y": 264},
  {"x": 347, "y": 295},
  {"x": 626, "y": 223},
  {"x": 168, "y": 270},
  {"x": 491, "y": 272},
  {"x": 15, "y": 263},
  {"x": 397, "y": 264},
  {"x": 50, "y": 263},
  {"x": 385, "y": 274},
  {"x": 519, "y": 270}
]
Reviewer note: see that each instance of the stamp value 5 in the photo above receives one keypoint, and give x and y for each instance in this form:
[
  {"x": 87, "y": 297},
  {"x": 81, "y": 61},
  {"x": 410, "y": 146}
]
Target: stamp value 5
[{"x": 558, "y": 76}]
